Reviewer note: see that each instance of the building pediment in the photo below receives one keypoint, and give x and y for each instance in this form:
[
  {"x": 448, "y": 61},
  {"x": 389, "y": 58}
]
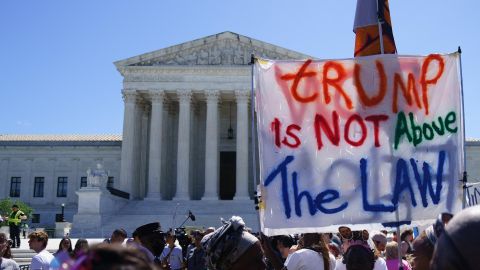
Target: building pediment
[{"x": 225, "y": 48}]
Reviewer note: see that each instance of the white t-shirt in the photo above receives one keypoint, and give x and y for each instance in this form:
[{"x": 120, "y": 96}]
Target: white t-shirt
[
  {"x": 8, "y": 264},
  {"x": 304, "y": 259},
  {"x": 333, "y": 261},
  {"x": 176, "y": 257},
  {"x": 41, "y": 261},
  {"x": 380, "y": 264}
]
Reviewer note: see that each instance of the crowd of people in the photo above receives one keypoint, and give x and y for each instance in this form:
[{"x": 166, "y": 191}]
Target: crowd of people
[{"x": 449, "y": 243}]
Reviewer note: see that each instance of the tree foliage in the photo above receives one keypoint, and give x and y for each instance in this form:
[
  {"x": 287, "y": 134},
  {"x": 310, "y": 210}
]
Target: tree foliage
[{"x": 6, "y": 208}]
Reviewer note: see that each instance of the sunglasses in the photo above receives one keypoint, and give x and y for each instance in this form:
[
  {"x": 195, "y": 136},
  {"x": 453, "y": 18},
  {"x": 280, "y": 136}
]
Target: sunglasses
[{"x": 347, "y": 234}]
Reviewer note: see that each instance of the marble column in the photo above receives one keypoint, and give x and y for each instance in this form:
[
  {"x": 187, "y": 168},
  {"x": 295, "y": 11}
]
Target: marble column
[
  {"x": 143, "y": 147},
  {"x": 241, "y": 192},
  {"x": 5, "y": 187},
  {"x": 155, "y": 154},
  {"x": 128, "y": 141},
  {"x": 74, "y": 184},
  {"x": 136, "y": 181},
  {"x": 26, "y": 193},
  {"x": 211, "y": 146},
  {"x": 183, "y": 156},
  {"x": 50, "y": 183}
]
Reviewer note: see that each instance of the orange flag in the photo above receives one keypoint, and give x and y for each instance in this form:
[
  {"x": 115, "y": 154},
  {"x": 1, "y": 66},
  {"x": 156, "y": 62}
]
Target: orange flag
[{"x": 367, "y": 28}]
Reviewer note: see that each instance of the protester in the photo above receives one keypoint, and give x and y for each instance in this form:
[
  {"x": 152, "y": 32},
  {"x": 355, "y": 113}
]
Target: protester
[
  {"x": 394, "y": 237},
  {"x": 335, "y": 239},
  {"x": 196, "y": 256},
  {"x": 38, "y": 242},
  {"x": 283, "y": 245},
  {"x": 6, "y": 261},
  {"x": 65, "y": 246},
  {"x": 423, "y": 247},
  {"x": 380, "y": 241},
  {"x": 391, "y": 256},
  {"x": 441, "y": 222},
  {"x": 172, "y": 255},
  {"x": 64, "y": 257},
  {"x": 81, "y": 248},
  {"x": 118, "y": 237},
  {"x": 407, "y": 238},
  {"x": 312, "y": 253},
  {"x": 231, "y": 247},
  {"x": 113, "y": 257},
  {"x": 333, "y": 243},
  {"x": 358, "y": 255},
  {"x": 14, "y": 221},
  {"x": 457, "y": 247},
  {"x": 307, "y": 243},
  {"x": 7, "y": 253},
  {"x": 191, "y": 243},
  {"x": 334, "y": 249}
]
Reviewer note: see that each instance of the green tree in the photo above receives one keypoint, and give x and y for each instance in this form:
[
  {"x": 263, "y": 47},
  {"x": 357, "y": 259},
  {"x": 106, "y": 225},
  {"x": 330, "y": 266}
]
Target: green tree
[{"x": 6, "y": 208}]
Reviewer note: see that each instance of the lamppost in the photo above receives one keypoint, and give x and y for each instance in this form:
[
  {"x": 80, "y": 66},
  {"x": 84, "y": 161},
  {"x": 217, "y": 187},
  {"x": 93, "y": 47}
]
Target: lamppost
[{"x": 63, "y": 212}]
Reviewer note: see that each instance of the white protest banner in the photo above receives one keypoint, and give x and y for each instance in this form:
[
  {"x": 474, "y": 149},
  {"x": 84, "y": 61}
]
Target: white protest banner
[{"x": 370, "y": 140}]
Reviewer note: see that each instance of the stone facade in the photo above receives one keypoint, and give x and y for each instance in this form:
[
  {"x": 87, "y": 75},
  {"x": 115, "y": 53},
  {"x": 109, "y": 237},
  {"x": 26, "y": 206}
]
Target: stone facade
[
  {"x": 52, "y": 157},
  {"x": 196, "y": 92}
]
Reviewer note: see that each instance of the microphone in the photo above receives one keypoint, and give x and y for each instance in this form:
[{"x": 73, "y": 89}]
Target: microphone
[{"x": 191, "y": 215}]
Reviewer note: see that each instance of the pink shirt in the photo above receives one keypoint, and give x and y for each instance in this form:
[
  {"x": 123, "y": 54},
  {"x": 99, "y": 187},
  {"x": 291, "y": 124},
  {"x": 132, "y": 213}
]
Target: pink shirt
[{"x": 393, "y": 265}]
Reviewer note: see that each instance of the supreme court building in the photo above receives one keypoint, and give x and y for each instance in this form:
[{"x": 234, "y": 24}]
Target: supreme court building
[{"x": 186, "y": 142}]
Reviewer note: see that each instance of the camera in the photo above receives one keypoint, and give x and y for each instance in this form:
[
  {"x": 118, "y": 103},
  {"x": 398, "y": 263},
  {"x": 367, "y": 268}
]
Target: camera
[{"x": 183, "y": 239}]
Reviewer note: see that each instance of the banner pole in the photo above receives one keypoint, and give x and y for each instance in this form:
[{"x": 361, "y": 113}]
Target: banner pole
[
  {"x": 397, "y": 214},
  {"x": 254, "y": 144},
  {"x": 399, "y": 241},
  {"x": 464, "y": 178}
]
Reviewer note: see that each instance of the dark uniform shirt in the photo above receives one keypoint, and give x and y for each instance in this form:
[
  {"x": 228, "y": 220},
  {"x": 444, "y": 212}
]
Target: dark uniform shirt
[{"x": 196, "y": 259}]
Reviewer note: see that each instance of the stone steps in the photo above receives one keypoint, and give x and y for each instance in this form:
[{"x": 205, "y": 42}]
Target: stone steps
[
  {"x": 24, "y": 256},
  {"x": 207, "y": 213},
  {"x": 170, "y": 207}
]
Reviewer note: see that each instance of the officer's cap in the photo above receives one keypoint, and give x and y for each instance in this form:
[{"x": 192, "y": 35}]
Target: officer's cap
[{"x": 147, "y": 229}]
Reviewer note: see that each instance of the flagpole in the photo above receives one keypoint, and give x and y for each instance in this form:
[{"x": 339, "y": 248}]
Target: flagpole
[
  {"x": 380, "y": 31},
  {"x": 464, "y": 178},
  {"x": 254, "y": 144}
]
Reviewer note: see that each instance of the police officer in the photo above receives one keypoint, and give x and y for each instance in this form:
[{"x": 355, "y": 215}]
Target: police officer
[{"x": 14, "y": 220}]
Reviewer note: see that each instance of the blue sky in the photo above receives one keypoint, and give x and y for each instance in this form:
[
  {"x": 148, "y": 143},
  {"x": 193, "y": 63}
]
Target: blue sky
[{"x": 57, "y": 74}]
